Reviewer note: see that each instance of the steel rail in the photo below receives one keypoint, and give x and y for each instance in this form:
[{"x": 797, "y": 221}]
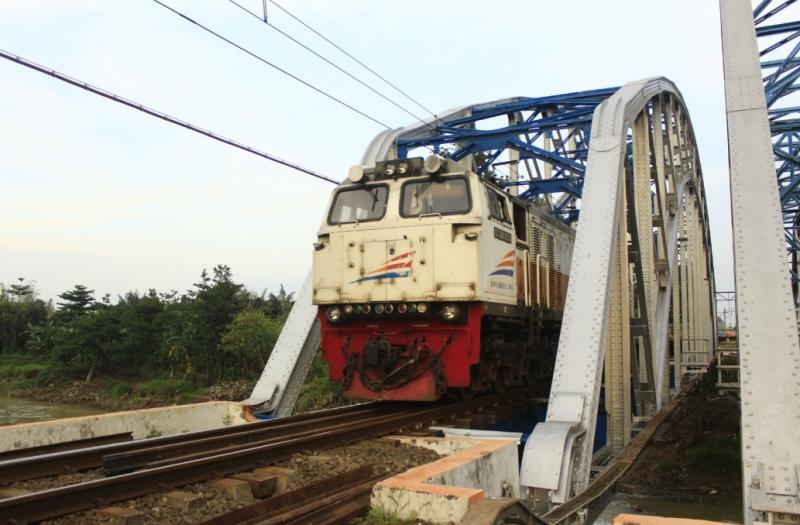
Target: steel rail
[
  {"x": 336, "y": 508},
  {"x": 86, "y": 458},
  {"x": 163, "y": 456},
  {"x": 73, "y": 498},
  {"x": 312, "y": 502},
  {"x": 67, "y": 445},
  {"x": 234, "y": 439},
  {"x": 168, "y": 455}
]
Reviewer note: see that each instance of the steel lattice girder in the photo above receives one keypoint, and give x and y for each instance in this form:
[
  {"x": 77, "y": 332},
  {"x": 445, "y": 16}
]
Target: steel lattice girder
[
  {"x": 780, "y": 66},
  {"x": 563, "y": 120}
]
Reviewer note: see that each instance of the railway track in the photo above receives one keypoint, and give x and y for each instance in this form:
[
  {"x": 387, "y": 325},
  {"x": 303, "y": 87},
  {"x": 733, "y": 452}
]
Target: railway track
[
  {"x": 160, "y": 464},
  {"x": 327, "y": 502},
  {"x": 83, "y": 458}
]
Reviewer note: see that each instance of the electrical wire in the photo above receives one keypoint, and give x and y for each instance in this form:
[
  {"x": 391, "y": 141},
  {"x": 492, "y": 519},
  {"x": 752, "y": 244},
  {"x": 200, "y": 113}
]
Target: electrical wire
[
  {"x": 298, "y": 79},
  {"x": 270, "y": 64},
  {"x": 342, "y": 70},
  {"x": 359, "y": 62},
  {"x": 158, "y": 114},
  {"x": 323, "y": 58}
]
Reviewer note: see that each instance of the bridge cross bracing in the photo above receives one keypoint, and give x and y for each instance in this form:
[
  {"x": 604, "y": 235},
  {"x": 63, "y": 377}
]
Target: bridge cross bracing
[
  {"x": 622, "y": 166},
  {"x": 777, "y": 40}
]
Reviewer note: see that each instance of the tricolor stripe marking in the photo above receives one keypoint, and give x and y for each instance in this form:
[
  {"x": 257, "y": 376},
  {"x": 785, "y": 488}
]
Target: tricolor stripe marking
[{"x": 505, "y": 266}]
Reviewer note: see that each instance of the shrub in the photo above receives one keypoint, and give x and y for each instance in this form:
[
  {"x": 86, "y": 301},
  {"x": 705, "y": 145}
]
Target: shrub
[
  {"x": 718, "y": 456},
  {"x": 319, "y": 391},
  {"x": 166, "y": 387},
  {"x": 119, "y": 389}
]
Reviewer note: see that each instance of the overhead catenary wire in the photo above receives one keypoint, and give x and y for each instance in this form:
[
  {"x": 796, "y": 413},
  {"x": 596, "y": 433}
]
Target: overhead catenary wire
[
  {"x": 336, "y": 66},
  {"x": 158, "y": 114},
  {"x": 295, "y": 77},
  {"x": 323, "y": 58},
  {"x": 349, "y": 55},
  {"x": 356, "y": 60},
  {"x": 270, "y": 64}
]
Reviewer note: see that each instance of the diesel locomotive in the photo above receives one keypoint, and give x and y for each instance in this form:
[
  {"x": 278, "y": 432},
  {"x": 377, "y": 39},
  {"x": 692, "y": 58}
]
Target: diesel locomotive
[{"x": 432, "y": 280}]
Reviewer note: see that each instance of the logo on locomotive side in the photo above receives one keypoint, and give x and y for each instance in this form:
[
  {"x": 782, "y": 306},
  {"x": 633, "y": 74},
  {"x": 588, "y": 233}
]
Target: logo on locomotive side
[
  {"x": 395, "y": 268},
  {"x": 505, "y": 266}
]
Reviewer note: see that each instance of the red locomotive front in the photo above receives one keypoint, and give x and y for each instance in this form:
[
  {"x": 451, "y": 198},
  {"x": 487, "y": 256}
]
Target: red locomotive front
[
  {"x": 430, "y": 280},
  {"x": 401, "y": 351}
]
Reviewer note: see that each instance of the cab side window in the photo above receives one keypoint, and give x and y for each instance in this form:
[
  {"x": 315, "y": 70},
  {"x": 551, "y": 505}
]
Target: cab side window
[{"x": 498, "y": 207}]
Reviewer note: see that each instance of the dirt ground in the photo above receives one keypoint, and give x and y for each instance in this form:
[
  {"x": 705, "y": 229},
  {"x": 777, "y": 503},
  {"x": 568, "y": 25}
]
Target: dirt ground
[
  {"x": 95, "y": 393},
  {"x": 696, "y": 455},
  {"x": 387, "y": 456}
]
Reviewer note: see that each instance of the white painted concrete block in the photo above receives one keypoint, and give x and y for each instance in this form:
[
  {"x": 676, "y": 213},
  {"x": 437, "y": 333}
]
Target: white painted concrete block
[
  {"x": 442, "y": 491},
  {"x": 149, "y": 422}
]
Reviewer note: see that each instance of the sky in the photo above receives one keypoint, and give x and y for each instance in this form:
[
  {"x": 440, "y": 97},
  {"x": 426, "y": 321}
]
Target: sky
[{"x": 97, "y": 194}]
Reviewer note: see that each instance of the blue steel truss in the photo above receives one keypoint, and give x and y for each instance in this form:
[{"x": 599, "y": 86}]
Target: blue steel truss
[
  {"x": 550, "y": 134},
  {"x": 779, "y": 43}
]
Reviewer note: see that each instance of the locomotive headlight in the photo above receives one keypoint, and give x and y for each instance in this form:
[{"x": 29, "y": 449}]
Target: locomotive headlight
[
  {"x": 357, "y": 309},
  {"x": 334, "y": 314},
  {"x": 412, "y": 308},
  {"x": 348, "y": 309},
  {"x": 378, "y": 308},
  {"x": 422, "y": 308},
  {"x": 389, "y": 169},
  {"x": 401, "y": 308},
  {"x": 402, "y": 168},
  {"x": 366, "y": 308},
  {"x": 449, "y": 312},
  {"x": 389, "y": 308}
]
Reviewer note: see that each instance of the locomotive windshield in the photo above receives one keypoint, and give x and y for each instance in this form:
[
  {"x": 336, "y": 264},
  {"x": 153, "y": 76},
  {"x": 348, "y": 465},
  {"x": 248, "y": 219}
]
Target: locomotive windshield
[
  {"x": 446, "y": 196},
  {"x": 359, "y": 204}
]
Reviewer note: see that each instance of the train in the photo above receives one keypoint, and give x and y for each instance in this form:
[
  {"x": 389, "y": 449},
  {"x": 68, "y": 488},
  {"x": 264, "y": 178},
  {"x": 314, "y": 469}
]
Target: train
[{"x": 432, "y": 281}]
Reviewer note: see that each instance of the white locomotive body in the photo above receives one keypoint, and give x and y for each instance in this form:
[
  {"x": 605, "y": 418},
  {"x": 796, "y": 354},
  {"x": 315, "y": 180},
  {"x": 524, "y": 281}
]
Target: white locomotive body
[{"x": 423, "y": 271}]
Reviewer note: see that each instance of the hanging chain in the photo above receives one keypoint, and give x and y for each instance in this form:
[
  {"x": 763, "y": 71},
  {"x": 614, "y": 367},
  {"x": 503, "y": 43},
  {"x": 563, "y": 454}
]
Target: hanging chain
[
  {"x": 438, "y": 377},
  {"x": 349, "y": 368}
]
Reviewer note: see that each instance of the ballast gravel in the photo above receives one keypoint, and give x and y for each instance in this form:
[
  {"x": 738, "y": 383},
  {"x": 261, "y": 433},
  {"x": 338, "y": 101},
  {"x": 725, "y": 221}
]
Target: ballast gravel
[{"x": 386, "y": 455}]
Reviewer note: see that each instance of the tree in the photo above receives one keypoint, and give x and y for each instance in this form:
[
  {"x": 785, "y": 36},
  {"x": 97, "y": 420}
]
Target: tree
[
  {"x": 216, "y": 300},
  {"x": 76, "y": 302},
  {"x": 215, "y": 330},
  {"x": 249, "y": 340},
  {"x": 41, "y": 337},
  {"x": 19, "y": 310},
  {"x": 87, "y": 343},
  {"x": 279, "y": 305},
  {"x": 20, "y": 292}
]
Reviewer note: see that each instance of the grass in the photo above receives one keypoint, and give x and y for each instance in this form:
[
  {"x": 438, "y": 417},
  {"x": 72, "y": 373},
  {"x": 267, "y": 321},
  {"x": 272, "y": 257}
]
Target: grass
[
  {"x": 167, "y": 387},
  {"x": 318, "y": 391},
  {"x": 18, "y": 371},
  {"x": 380, "y": 516},
  {"x": 119, "y": 389},
  {"x": 665, "y": 467},
  {"x": 27, "y": 372},
  {"x": 721, "y": 455}
]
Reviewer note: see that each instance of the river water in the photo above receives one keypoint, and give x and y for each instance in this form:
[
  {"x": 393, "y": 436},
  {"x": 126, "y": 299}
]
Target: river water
[{"x": 17, "y": 410}]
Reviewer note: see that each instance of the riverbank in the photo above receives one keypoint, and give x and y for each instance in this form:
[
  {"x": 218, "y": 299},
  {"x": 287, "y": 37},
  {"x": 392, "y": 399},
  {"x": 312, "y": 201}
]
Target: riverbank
[
  {"x": 112, "y": 394},
  {"x": 695, "y": 457},
  {"x": 23, "y": 377}
]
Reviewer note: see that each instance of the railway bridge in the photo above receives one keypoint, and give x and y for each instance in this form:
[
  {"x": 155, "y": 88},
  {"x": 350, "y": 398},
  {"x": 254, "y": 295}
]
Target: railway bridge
[{"x": 621, "y": 165}]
